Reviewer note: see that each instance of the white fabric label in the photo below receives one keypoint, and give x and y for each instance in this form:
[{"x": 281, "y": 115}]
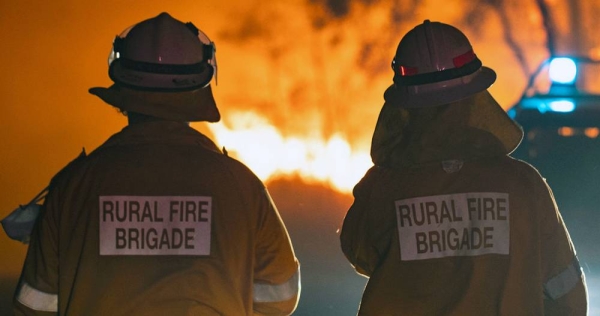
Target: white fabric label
[
  {"x": 155, "y": 225},
  {"x": 464, "y": 224}
]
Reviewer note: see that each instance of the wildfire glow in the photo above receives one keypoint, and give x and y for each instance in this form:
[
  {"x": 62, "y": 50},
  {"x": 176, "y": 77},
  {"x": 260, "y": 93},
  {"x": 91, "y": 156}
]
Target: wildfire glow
[{"x": 259, "y": 144}]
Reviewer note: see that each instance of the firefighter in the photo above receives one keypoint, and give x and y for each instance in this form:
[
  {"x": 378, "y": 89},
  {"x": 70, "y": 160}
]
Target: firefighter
[
  {"x": 158, "y": 220},
  {"x": 446, "y": 222}
]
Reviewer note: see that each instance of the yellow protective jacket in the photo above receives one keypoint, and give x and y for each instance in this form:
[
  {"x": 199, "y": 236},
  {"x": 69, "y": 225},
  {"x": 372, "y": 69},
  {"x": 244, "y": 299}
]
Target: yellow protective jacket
[
  {"x": 157, "y": 221},
  {"x": 449, "y": 224}
]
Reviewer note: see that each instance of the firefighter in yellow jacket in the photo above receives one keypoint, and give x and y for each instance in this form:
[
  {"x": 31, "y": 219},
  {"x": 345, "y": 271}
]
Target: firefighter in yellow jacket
[
  {"x": 157, "y": 220},
  {"x": 446, "y": 223}
]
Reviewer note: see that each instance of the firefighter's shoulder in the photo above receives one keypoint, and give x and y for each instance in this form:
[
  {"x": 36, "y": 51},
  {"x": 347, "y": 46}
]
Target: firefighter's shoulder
[{"x": 70, "y": 166}]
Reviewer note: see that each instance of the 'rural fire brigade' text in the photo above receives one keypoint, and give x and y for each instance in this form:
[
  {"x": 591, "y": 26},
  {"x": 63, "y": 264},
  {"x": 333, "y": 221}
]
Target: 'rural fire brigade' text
[
  {"x": 465, "y": 224},
  {"x": 155, "y": 225}
]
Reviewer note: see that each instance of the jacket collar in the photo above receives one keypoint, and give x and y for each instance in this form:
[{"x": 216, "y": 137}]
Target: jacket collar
[{"x": 160, "y": 132}]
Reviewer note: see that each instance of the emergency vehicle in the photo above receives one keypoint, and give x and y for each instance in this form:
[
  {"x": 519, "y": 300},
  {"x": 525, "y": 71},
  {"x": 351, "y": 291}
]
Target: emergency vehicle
[{"x": 559, "y": 111}]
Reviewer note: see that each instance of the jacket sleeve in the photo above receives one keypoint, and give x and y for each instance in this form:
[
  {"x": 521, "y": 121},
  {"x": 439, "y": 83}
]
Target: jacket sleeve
[
  {"x": 37, "y": 292},
  {"x": 565, "y": 291},
  {"x": 355, "y": 236},
  {"x": 277, "y": 271}
]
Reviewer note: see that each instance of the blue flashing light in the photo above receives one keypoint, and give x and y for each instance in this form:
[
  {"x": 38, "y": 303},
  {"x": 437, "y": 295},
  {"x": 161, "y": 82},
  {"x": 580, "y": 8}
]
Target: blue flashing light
[
  {"x": 563, "y": 106},
  {"x": 559, "y": 105},
  {"x": 562, "y": 70}
]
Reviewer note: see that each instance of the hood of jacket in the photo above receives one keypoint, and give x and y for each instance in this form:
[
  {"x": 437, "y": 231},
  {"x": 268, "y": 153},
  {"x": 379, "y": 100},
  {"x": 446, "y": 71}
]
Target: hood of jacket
[{"x": 467, "y": 129}]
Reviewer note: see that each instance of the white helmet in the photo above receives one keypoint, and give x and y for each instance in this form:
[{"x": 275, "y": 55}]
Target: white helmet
[
  {"x": 162, "y": 54},
  {"x": 435, "y": 64}
]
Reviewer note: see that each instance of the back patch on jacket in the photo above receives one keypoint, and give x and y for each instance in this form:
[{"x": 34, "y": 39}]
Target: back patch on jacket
[
  {"x": 155, "y": 225},
  {"x": 463, "y": 224}
]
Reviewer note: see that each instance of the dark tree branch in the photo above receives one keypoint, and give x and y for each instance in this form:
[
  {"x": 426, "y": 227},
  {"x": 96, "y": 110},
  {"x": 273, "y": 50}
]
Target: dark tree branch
[
  {"x": 548, "y": 26},
  {"x": 507, "y": 28}
]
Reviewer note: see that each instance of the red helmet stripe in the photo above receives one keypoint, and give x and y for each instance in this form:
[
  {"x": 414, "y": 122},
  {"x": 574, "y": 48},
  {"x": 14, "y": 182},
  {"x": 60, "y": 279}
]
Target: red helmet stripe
[
  {"x": 463, "y": 59},
  {"x": 408, "y": 71}
]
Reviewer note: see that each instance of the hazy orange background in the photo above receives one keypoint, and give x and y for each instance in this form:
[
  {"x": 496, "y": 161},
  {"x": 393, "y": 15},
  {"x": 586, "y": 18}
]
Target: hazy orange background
[{"x": 310, "y": 68}]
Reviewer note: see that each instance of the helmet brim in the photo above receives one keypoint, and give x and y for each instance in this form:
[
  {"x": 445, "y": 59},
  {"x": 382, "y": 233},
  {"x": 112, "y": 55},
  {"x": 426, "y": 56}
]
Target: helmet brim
[
  {"x": 440, "y": 93},
  {"x": 188, "y": 106}
]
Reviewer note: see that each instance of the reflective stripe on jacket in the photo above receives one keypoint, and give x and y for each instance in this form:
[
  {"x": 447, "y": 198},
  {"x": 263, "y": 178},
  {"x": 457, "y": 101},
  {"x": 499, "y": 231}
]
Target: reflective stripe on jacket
[{"x": 193, "y": 231}]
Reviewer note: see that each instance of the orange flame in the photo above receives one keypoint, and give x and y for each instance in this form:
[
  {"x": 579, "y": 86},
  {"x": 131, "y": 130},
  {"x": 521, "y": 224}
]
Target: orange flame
[{"x": 257, "y": 143}]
